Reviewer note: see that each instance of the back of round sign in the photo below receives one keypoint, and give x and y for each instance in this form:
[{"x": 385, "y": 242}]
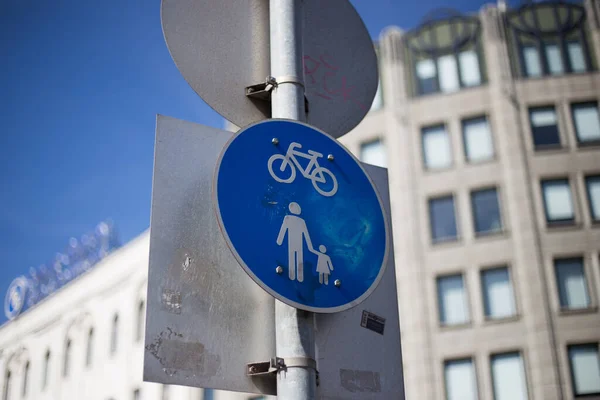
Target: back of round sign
[{"x": 221, "y": 47}]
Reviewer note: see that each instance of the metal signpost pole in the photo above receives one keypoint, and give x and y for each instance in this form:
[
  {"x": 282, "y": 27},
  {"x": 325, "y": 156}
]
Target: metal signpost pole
[{"x": 294, "y": 328}]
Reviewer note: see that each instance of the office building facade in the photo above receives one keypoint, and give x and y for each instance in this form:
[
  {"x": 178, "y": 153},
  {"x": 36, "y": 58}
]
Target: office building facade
[{"x": 489, "y": 126}]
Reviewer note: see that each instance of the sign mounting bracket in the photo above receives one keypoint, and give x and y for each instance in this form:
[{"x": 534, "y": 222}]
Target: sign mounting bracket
[
  {"x": 269, "y": 369},
  {"x": 262, "y": 91}
]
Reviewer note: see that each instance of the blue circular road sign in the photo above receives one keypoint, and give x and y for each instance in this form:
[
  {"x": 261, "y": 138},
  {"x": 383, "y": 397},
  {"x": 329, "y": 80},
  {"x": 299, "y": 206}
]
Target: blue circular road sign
[{"x": 301, "y": 215}]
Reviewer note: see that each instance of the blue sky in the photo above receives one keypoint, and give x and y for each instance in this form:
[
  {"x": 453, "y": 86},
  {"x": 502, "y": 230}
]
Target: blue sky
[{"x": 81, "y": 84}]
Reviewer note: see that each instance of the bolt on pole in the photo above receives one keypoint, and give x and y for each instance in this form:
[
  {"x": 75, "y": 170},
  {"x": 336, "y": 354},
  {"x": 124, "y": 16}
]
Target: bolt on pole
[{"x": 295, "y": 337}]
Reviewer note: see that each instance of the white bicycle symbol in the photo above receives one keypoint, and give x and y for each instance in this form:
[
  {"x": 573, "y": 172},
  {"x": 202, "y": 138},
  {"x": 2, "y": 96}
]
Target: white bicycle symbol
[{"x": 313, "y": 171}]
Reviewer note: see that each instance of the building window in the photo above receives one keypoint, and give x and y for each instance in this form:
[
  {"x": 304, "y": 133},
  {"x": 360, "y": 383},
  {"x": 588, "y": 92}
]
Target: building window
[
  {"x": 114, "y": 335},
  {"x": 461, "y": 383},
  {"x": 436, "y": 147},
  {"x": 426, "y": 72},
  {"x": 442, "y": 219},
  {"x": 544, "y": 127},
  {"x": 25, "y": 380},
  {"x": 531, "y": 60},
  {"x": 558, "y": 203},
  {"x": 592, "y": 184},
  {"x": 508, "y": 377},
  {"x": 587, "y": 122},
  {"x": 141, "y": 314},
  {"x": 452, "y": 300},
  {"x": 576, "y": 56},
  {"x": 554, "y": 59},
  {"x": 585, "y": 369},
  {"x": 373, "y": 153},
  {"x": 448, "y": 73},
  {"x": 46, "y": 370},
  {"x": 445, "y": 54},
  {"x": 470, "y": 75},
  {"x": 7, "y": 385},
  {"x": 498, "y": 298},
  {"x": 89, "y": 351},
  {"x": 551, "y": 38},
  {"x": 571, "y": 282},
  {"x": 477, "y": 140},
  {"x": 486, "y": 211},
  {"x": 67, "y": 358}
]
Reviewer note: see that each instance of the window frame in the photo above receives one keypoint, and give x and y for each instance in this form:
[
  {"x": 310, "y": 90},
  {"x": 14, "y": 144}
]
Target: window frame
[
  {"x": 521, "y": 46},
  {"x": 584, "y": 49},
  {"x": 544, "y": 147},
  {"x": 89, "y": 347},
  {"x": 473, "y": 362},
  {"x": 572, "y": 31},
  {"x": 7, "y": 386},
  {"x": 550, "y": 223},
  {"x": 422, "y": 43},
  {"x": 67, "y": 358},
  {"x": 467, "y": 305},
  {"x": 481, "y": 117},
  {"x": 423, "y": 132},
  {"x": 437, "y": 86},
  {"x": 564, "y": 62},
  {"x": 140, "y": 322},
  {"x": 521, "y": 355},
  {"x": 25, "y": 382},
  {"x": 511, "y": 282},
  {"x": 46, "y": 369},
  {"x": 585, "y": 275},
  {"x": 595, "y": 104},
  {"x": 572, "y": 371},
  {"x": 114, "y": 335},
  {"x": 502, "y": 228},
  {"x": 586, "y": 180},
  {"x": 370, "y": 142},
  {"x": 446, "y": 239}
]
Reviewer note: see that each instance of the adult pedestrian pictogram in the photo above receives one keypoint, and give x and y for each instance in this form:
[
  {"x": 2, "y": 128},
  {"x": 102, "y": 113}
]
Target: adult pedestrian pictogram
[
  {"x": 292, "y": 235},
  {"x": 297, "y": 233}
]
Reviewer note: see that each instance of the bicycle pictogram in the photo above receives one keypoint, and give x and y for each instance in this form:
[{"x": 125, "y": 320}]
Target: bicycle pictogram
[{"x": 321, "y": 177}]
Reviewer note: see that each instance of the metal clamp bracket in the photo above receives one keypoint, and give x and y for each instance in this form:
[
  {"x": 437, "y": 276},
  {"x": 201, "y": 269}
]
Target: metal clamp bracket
[
  {"x": 276, "y": 364},
  {"x": 262, "y": 91},
  {"x": 289, "y": 79}
]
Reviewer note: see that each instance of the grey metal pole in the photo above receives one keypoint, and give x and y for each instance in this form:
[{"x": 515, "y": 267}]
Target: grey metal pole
[
  {"x": 287, "y": 100},
  {"x": 295, "y": 336}
]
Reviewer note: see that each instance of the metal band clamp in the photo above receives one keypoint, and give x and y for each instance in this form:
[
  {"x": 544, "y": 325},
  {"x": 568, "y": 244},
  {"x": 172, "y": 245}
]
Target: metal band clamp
[
  {"x": 277, "y": 364},
  {"x": 289, "y": 79}
]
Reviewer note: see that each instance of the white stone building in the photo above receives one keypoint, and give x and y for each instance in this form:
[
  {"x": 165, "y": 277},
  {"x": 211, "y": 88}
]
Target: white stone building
[{"x": 85, "y": 341}]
